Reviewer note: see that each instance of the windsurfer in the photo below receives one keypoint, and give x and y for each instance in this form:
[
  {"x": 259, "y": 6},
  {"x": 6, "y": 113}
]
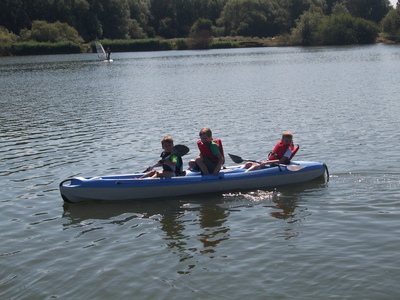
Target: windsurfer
[{"x": 108, "y": 53}]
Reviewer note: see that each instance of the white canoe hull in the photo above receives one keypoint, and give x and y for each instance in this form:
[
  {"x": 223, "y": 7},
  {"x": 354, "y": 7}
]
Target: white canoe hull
[{"x": 129, "y": 187}]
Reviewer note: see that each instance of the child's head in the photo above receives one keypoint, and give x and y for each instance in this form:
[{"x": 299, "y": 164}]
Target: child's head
[
  {"x": 167, "y": 143},
  {"x": 287, "y": 137},
  {"x": 205, "y": 134}
]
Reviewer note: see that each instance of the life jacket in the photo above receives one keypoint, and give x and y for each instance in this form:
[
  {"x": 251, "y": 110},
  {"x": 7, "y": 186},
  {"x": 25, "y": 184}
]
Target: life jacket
[
  {"x": 178, "y": 167},
  {"x": 280, "y": 149},
  {"x": 206, "y": 152}
]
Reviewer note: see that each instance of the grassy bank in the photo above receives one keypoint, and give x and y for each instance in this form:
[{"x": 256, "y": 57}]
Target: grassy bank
[{"x": 35, "y": 48}]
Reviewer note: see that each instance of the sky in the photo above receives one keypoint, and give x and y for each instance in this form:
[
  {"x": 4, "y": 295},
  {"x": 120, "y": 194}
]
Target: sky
[{"x": 393, "y": 3}]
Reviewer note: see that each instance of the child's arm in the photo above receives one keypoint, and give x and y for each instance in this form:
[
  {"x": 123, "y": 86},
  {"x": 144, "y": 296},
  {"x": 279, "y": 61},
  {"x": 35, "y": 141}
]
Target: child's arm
[
  {"x": 219, "y": 164},
  {"x": 265, "y": 162},
  {"x": 172, "y": 161}
]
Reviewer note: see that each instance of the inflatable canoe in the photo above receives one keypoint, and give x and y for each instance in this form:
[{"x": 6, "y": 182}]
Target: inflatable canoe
[{"x": 130, "y": 187}]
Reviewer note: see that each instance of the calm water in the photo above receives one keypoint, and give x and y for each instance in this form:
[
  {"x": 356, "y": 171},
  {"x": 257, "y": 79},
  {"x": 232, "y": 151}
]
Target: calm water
[{"x": 71, "y": 115}]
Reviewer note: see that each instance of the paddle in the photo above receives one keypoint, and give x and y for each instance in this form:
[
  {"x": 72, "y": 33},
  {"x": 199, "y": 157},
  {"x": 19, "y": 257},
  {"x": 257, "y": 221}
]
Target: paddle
[
  {"x": 238, "y": 160},
  {"x": 179, "y": 150}
]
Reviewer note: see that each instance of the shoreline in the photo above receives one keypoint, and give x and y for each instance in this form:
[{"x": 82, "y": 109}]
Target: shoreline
[{"x": 162, "y": 45}]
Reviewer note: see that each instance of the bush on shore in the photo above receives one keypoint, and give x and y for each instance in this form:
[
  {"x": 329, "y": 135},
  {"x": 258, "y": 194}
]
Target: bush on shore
[
  {"x": 135, "y": 45},
  {"x": 35, "y": 48}
]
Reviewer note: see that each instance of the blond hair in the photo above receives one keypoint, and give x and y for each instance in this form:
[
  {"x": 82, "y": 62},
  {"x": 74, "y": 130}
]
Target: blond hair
[
  {"x": 167, "y": 139},
  {"x": 206, "y": 131},
  {"x": 287, "y": 134}
]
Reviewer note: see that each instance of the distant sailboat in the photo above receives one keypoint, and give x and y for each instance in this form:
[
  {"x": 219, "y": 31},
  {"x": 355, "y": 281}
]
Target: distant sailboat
[{"x": 100, "y": 51}]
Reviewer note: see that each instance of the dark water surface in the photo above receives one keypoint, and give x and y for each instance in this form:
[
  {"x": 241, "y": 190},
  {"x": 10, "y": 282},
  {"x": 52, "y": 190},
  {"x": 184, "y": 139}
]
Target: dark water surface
[{"x": 71, "y": 115}]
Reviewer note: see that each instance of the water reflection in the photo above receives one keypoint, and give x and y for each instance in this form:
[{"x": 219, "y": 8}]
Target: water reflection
[
  {"x": 209, "y": 210},
  {"x": 203, "y": 216},
  {"x": 178, "y": 219},
  {"x": 281, "y": 206},
  {"x": 212, "y": 218},
  {"x": 283, "y": 211},
  {"x": 189, "y": 227},
  {"x": 286, "y": 205},
  {"x": 79, "y": 213}
]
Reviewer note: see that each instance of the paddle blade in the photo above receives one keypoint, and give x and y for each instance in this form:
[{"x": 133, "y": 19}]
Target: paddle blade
[
  {"x": 294, "y": 168},
  {"x": 235, "y": 158},
  {"x": 180, "y": 150},
  {"x": 148, "y": 169},
  {"x": 238, "y": 159}
]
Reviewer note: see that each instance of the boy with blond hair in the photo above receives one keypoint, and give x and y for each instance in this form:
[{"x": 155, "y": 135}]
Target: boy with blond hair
[
  {"x": 283, "y": 152},
  {"x": 172, "y": 164},
  {"x": 211, "y": 156}
]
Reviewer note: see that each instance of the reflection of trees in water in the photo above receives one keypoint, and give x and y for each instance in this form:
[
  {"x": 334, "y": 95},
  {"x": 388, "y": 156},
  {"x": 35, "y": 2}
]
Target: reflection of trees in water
[
  {"x": 202, "y": 217},
  {"x": 282, "y": 205},
  {"x": 287, "y": 208},
  {"x": 208, "y": 215},
  {"x": 173, "y": 228},
  {"x": 204, "y": 213},
  {"x": 284, "y": 211},
  {"x": 212, "y": 217}
]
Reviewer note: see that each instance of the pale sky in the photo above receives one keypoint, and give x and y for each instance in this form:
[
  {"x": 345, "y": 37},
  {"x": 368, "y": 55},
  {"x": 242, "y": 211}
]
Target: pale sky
[{"x": 393, "y": 3}]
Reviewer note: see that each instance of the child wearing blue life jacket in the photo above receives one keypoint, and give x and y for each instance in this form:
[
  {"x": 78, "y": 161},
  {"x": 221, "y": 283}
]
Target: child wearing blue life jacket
[
  {"x": 172, "y": 165},
  {"x": 211, "y": 156},
  {"x": 283, "y": 152}
]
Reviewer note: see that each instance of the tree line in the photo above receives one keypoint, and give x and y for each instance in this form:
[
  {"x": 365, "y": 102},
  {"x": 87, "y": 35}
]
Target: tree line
[{"x": 305, "y": 21}]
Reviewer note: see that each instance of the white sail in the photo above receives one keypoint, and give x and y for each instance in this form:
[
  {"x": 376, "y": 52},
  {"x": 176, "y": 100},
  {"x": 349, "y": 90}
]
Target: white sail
[{"x": 100, "y": 50}]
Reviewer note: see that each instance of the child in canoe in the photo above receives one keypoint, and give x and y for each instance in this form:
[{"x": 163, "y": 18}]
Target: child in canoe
[
  {"x": 282, "y": 154},
  {"x": 172, "y": 165},
  {"x": 211, "y": 156}
]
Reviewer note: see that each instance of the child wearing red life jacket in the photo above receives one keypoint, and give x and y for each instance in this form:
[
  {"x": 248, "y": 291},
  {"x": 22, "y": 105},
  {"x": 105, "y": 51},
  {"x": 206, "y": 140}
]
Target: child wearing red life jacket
[
  {"x": 211, "y": 156},
  {"x": 283, "y": 152}
]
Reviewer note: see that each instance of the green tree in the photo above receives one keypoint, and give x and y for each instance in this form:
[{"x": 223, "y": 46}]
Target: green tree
[
  {"x": 114, "y": 17},
  {"x": 330, "y": 4},
  {"x": 340, "y": 9},
  {"x": 283, "y": 22},
  {"x": 391, "y": 23},
  {"x": 343, "y": 29},
  {"x": 296, "y": 8},
  {"x": 75, "y": 13},
  {"x": 250, "y": 17},
  {"x": 121, "y": 19},
  {"x": 174, "y": 18},
  {"x": 51, "y": 32},
  {"x": 13, "y": 15},
  {"x": 373, "y": 10},
  {"x": 135, "y": 31},
  {"x": 163, "y": 18},
  {"x": 201, "y": 34},
  {"x": 306, "y": 30},
  {"x": 7, "y": 38},
  {"x": 140, "y": 16}
]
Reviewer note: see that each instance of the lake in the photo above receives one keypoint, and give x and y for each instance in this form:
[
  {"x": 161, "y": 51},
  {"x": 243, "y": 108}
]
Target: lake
[{"x": 72, "y": 115}]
